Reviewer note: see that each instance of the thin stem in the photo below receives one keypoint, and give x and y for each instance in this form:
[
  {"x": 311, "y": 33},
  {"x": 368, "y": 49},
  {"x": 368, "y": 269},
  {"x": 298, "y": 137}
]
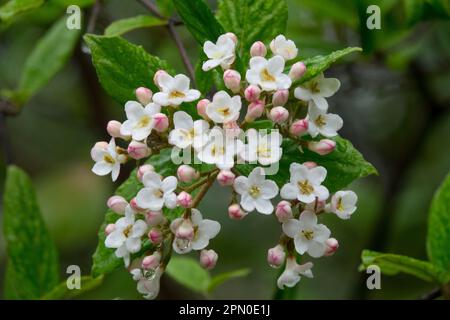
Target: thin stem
[
  {"x": 4, "y": 140},
  {"x": 93, "y": 17},
  {"x": 436, "y": 293},
  {"x": 152, "y": 8},
  {"x": 204, "y": 190}
]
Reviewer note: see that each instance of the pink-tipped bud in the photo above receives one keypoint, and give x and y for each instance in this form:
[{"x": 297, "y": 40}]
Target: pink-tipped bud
[
  {"x": 279, "y": 114},
  {"x": 154, "y": 218},
  {"x": 283, "y": 211},
  {"x": 99, "y": 146},
  {"x": 332, "y": 246},
  {"x": 117, "y": 204},
  {"x": 232, "y": 129},
  {"x": 297, "y": 71},
  {"x": 235, "y": 212},
  {"x": 185, "y": 230},
  {"x": 187, "y": 174},
  {"x": 280, "y": 97},
  {"x": 157, "y": 75},
  {"x": 135, "y": 207},
  {"x": 299, "y": 127},
  {"x": 232, "y": 36},
  {"x": 184, "y": 199},
  {"x": 232, "y": 80},
  {"x": 276, "y": 256},
  {"x": 201, "y": 108},
  {"x": 161, "y": 122},
  {"x": 113, "y": 129},
  {"x": 226, "y": 178},
  {"x": 254, "y": 110},
  {"x": 322, "y": 147},
  {"x": 258, "y": 49},
  {"x": 142, "y": 170},
  {"x": 310, "y": 164},
  {"x": 252, "y": 93},
  {"x": 151, "y": 261},
  {"x": 138, "y": 150},
  {"x": 144, "y": 95},
  {"x": 155, "y": 236},
  {"x": 208, "y": 259},
  {"x": 110, "y": 228}
]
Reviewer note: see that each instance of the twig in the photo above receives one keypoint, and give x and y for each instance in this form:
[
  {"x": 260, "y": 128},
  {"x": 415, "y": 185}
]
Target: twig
[
  {"x": 204, "y": 190},
  {"x": 93, "y": 17},
  {"x": 4, "y": 140},
  {"x": 436, "y": 293}
]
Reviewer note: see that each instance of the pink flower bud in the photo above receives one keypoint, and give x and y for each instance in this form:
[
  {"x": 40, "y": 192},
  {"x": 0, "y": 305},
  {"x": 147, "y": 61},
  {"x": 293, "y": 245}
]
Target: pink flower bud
[
  {"x": 201, "y": 108},
  {"x": 258, "y": 49},
  {"x": 99, "y": 146},
  {"x": 110, "y": 228},
  {"x": 152, "y": 261},
  {"x": 161, "y": 122},
  {"x": 185, "y": 230},
  {"x": 323, "y": 147},
  {"x": 155, "y": 236},
  {"x": 144, "y": 95},
  {"x": 157, "y": 75},
  {"x": 232, "y": 80},
  {"x": 138, "y": 150},
  {"x": 279, "y": 114},
  {"x": 232, "y": 36},
  {"x": 254, "y": 110},
  {"x": 113, "y": 129},
  {"x": 283, "y": 211},
  {"x": 135, "y": 207},
  {"x": 184, "y": 199},
  {"x": 276, "y": 256},
  {"x": 299, "y": 127},
  {"x": 232, "y": 129},
  {"x": 280, "y": 97},
  {"x": 208, "y": 259},
  {"x": 298, "y": 69},
  {"x": 117, "y": 204},
  {"x": 225, "y": 178},
  {"x": 252, "y": 93},
  {"x": 143, "y": 170},
  {"x": 235, "y": 212},
  {"x": 332, "y": 246},
  {"x": 310, "y": 164},
  {"x": 154, "y": 218},
  {"x": 187, "y": 174}
]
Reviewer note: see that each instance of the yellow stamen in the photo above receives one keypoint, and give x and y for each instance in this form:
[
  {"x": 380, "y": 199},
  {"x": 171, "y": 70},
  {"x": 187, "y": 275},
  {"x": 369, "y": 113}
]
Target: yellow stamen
[
  {"x": 225, "y": 111},
  {"x": 320, "y": 121},
  {"x": 305, "y": 187},
  {"x": 308, "y": 234},
  {"x": 339, "y": 204},
  {"x": 127, "y": 230},
  {"x": 176, "y": 94},
  {"x": 109, "y": 159},
  {"x": 266, "y": 76},
  {"x": 144, "y": 122},
  {"x": 158, "y": 193},
  {"x": 254, "y": 191}
]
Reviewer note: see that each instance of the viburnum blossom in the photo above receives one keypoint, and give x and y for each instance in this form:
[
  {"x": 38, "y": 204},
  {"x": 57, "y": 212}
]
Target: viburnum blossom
[
  {"x": 317, "y": 90},
  {"x": 174, "y": 90},
  {"x": 108, "y": 159},
  {"x": 268, "y": 74},
  {"x": 157, "y": 192},
  {"x": 221, "y": 53},
  {"x": 343, "y": 204},
  {"x": 140, "y": 120},
  {"x": 293, "y": 272},
  {"x": 224, "y": 108},
  {"x": 262, "y": 147},
  {"x": 148, "y": 282},
  {"x": 320, "y": 122},
  {"x": 284, "y": 47},
  {"x": 188, "y": 132}
]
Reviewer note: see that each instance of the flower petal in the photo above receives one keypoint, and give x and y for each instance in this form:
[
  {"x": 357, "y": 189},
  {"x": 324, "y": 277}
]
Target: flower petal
[{"x": 291, "y": 228}]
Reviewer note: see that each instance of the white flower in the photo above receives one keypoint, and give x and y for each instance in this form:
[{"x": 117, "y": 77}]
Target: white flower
[
  {"x": 204, "y": 230},
  {"x": 268, "y": 74},
  {"x": 256, "y": 191},
  {"x": 261, "y": 147},
  {"x": 307, "y": 234},
  {"x": 327, "y": 124},
  {"x": 291, "y": 274},
  {"x": 343, "y": 203},
  {"x": 157, "y": 192},
  {"x": 175, "y": 90},
  {"x": 140, "y": 120},
  {"x": 305, "y": 184},
  {"x": 126, "y": 237},
  {"x": 107, "y": 160},
  {"x": 188, "y": 132},
  {"x": 284, "y": 47},
  {"x": 220, "y": 149},
  {"x": 224, "y": 108},
  {"x": 317, "y": 90},
  {"x": 221, "y": 53},
  {"x": 147, "y": 281}
]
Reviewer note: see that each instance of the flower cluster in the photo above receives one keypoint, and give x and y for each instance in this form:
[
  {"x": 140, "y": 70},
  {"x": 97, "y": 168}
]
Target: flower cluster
[{"x": 221, "y": 134}]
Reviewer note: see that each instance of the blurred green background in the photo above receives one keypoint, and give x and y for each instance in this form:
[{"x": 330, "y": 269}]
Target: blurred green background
[{"x": 394, "y": 100}]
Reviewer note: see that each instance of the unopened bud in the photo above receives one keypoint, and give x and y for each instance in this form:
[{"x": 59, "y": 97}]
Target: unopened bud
[
  {"x": 142, "y": 170},
  {"x": 185, "y": 230},
  {"x": 117, "y": 204},
  {"x": 254, "y": 110},
  {"x": 110, "y": 228},
  {"x": 297, "y": 71},
  {"x": 332, "y": 246},
  {"x": 161, "y": 122},
  {"x": 276, "y": 256},
  {"x": 235, "y": 212},
  {"x": 154, "y": 218},
  {"x": 184, "y": 199},
  {"x": 157, "y": 75},
  {"x": 208, "y": 259},
  {"x": 226, "y": 178},
  {"x": 201, "y": 108},
  {"x": 258, "y": 49},
  {"x": 232, "y": 80},
  {"x": 280, "y": 97},
  {"x": 322, "y": 147},
  {"x": 138, "y": 150},
  {"x": 252, "y": 93},
  {"x": 155, "y": 236},
  {"x": 187, "y": 174},
  {"x": 310, "y": 164},
  {"x": 151, "y": 261},
  {"x": 279, "y": 114},
  {"x": 283, "y": 211},
  {"x": 113, "y": 129},
  {"x": 144, "y": 95},
  {"x": 299, "y": 127},
  {"x": 232, "y": 129}
]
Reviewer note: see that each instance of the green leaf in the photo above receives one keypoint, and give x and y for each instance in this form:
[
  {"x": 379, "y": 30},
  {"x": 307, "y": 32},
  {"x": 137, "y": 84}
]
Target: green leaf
[
  {"x": 189, "y": 273},
  {"x": 344, "y": 165},
  {"x": 421, "y": 10},
  {"x": 438, "y": 240},
  {"x": 337, "y": 11},
  {"x": 165, "y": 7},
  {"x": 392, "y": 264},
  {"x": 253, "y": 20},
  {"x": 32, "y": 258},
  {"x": 223, "y": 277},
  {"x": 61, "y": 291},
  {"x": 122, "y": 66},
  {"x": 14, "y": 8},
  {"x": 122, "y": 26},
  {"x": 199, "y": 20},
  {"x": 261, "y": 124},
  {"x": 49, "y": 55},
  {"x": 319, "y": 64}
]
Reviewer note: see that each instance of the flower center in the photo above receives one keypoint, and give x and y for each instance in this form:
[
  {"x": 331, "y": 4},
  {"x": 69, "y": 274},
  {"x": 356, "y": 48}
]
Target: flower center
[
  {"x": 109, "y": 159},
  {"x": 308, "y": 234},
  {"x": 217, "y": 151},
  {"x": 143, "y": 122},
  {"x": 225, "y": 111},
  {"x": 158, "y": 193},
  {"x": 176, "y": 94},
  {"x": 314, "y": 87},
  {"x": 266, "y": 76},
  {"x": 320, "y": 121},
  {"x": 339, "y": 204},
  {"x": 305, "y": 187},
  {"x": 127, "y": 230},
  {"x": 263, "y": 151},
  {"x": 254, "y": 191}
]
